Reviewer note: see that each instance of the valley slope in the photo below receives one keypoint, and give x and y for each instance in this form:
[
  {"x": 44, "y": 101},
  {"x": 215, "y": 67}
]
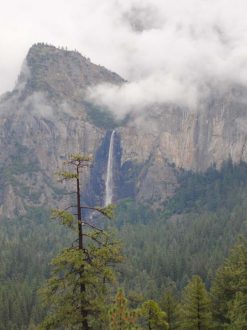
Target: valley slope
[{"x": 48, "y": 116}]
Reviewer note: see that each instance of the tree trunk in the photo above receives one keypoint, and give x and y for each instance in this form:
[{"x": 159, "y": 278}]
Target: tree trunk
[{"x": 84, "y": 312}]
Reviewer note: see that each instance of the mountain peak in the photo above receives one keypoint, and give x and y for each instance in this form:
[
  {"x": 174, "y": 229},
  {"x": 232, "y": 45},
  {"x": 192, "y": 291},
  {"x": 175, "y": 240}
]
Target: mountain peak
[{"x": 61, "y": 72}]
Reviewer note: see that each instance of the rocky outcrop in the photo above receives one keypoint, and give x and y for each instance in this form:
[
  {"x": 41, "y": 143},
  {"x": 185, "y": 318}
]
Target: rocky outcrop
[
  {"x": 46, "y": 117},
  {"x": 191, "y": 140},
  {"x": 42, "y": 121},
  {"x": 62, "y": 73}
]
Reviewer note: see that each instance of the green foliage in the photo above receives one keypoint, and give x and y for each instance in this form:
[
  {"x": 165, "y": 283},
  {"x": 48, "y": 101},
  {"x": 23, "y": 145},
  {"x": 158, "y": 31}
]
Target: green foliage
[
  {"x": 62, "y": 291},
  {"x": 130, "y": 212},
  {"x": 78, "y": 161},
  {"x": 101, "y": 117},
  {"x": 108, "y": 211},
  {"x": 26, "y": 248},
  {"x": 169, "y": 305},
  {"x": 229, "y": 290},
  {"x": 66, "y": 218},
  {"x": 120, "y": 316},
  {"x": 164, "y": 247},
  {"x": 73, "y": 158},
  {"x": 238, "y": 312},
  {"x": 65, "y": 175},
  {"x": 207, "y": 214},
  {"x": 154, "y": 317},
  {"x": 195, "y": 311},
  {"x": 77, "y": 294},
  {"x": 211, "y": 190}
]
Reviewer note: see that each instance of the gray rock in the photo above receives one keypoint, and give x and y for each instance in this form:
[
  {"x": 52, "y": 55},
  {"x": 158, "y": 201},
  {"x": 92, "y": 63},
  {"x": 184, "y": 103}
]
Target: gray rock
[{"x": 46, "y": 117}]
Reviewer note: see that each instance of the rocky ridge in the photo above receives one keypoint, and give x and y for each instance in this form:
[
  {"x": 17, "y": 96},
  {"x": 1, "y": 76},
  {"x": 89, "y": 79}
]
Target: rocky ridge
[{"x": 46, "y": 117}]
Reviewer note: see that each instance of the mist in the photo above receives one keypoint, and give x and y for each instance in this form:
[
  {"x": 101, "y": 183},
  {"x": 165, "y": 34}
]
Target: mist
[{"x": 167, "y": 51}]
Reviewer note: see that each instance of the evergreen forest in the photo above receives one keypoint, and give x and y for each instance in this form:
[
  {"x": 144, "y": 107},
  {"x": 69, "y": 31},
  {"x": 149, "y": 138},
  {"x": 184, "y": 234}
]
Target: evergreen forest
[{"x": 183, "y": 266}]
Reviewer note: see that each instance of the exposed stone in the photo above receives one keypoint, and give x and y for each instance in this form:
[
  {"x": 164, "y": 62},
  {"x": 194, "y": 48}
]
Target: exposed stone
[{"x": 45, "y": 119}]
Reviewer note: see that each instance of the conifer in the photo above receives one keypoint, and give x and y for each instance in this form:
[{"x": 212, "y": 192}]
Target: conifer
[
  {"x": 76, "y": 294},
  {"x": 195, "y": 313}
]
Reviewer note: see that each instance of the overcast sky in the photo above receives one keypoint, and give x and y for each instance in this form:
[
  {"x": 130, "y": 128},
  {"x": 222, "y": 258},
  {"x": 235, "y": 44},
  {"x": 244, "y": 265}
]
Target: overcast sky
[{"x": 165, "y": 47}]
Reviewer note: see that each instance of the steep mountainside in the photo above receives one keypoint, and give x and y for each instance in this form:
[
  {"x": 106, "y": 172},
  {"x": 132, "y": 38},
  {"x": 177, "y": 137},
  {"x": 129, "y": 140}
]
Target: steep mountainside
[
  {"x": 42, "y": 121},
  {"x": 46, "y": 117},
  {"x": 192, "y": 140}
]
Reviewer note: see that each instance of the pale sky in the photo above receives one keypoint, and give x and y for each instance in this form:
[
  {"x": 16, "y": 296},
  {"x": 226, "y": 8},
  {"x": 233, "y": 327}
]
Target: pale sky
[{"x": 165, "y": 47}]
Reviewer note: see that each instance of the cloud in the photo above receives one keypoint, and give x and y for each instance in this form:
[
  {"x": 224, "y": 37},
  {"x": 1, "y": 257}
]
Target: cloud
[
  {"x": 166, "y": 49},
  {"x": 139, "y": 95},
  {"x": 175, "y": 51}
]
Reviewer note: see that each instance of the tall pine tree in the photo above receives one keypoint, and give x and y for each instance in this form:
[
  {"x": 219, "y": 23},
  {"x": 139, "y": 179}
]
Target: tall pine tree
[
  {"x": 76, "y": 293},
  {"x": 195, "y": 311}
]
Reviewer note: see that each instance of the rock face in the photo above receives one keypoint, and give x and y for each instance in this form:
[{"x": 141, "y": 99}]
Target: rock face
[
  {"x": 42, "y": 121},
  {"x": 193, "y": 140},
  {"x": 189, "y": 140},
  {"x": 62, "y": 73},
  {"x": 46, "y": 117}
]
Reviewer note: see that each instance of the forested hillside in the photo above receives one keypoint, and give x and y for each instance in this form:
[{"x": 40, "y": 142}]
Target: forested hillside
[
  {"x": 192, "y": 235},
  {"x": 123, "y": 165},
  {"x": 27, "y": 245}
]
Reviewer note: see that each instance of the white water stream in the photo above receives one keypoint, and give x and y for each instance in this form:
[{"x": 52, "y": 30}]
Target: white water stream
[{"x": 109, "y": 172}]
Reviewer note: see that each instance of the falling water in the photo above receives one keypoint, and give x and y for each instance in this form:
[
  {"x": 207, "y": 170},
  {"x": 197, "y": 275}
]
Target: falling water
[{"x": 109, "y": 173}]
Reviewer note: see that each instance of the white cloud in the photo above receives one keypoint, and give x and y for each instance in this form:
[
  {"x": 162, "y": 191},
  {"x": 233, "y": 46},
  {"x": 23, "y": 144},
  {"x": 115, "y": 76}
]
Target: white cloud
[
  {"x": 165, "y": 48},
  {"x": 136, "y": 96}
]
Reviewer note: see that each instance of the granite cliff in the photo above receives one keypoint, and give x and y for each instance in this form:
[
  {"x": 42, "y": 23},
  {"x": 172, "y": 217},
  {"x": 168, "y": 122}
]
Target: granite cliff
[{"x": 47, "y": 116}]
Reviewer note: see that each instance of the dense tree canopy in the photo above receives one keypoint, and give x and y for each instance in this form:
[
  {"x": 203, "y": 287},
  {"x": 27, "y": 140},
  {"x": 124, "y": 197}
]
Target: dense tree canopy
[{"x": 191, "y": 236}]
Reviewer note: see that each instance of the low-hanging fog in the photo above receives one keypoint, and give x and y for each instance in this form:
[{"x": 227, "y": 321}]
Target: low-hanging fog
[{"x": 167, "y": 50}]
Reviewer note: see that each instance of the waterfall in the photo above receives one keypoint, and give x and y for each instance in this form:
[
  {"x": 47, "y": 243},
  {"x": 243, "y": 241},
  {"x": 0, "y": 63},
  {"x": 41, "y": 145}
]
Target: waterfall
[{"x": 109, "y": 172}]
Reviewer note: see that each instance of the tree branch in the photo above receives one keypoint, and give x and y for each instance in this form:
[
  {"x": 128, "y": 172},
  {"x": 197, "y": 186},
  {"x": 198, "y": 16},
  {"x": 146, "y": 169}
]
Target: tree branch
[
  {"x": 94, "y": 239},
  {"x": 92, "y": 226}
]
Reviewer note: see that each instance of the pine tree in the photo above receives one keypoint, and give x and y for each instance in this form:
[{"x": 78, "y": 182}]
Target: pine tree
[
  {"x": 120, "y": 316},
  {"x": 229, "y": 290},
  {"x": 76, "y": 292},
  {"x": 169, "y": 305},
  {"x": 238, "y": 311},
  {"x": 195, "y": 313},
  {"x": 154, "y": 317}
]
